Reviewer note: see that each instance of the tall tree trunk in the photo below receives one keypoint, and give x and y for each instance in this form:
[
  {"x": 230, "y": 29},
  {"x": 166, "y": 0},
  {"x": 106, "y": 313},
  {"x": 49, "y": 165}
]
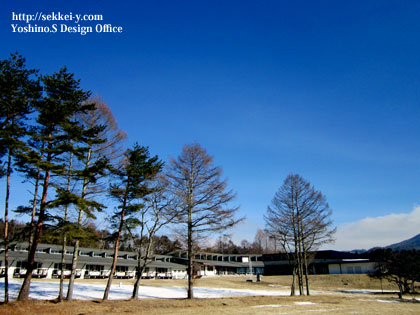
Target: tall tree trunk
[
  {"x": 299, "y": 272},
  {"x": 35, "y": 201},
  {"x": 139, "y": 266},
  {"x": 305, "y": 262},
  {"x": 139, "y": 271},
  {"x": 62, "y": 262},
  {"x": 297, "y": 255},
  {"x": 6, "y": 229},
  {"x": 24, "y": 290},
  {"x": 76, "y": 245},
  {"x": 34, "y": 204},
  {"x": 190, "y": 256},
  {"x": 300, "y": 247},
  {"x": 114, "y": 261},
  {"x": 74, "y": 260},
  {"x": 296, "y": 236},
  {"x": 64, "y": 239},
  {"x": 292, "y": 289},
  {"x": 117, "y": 243}
]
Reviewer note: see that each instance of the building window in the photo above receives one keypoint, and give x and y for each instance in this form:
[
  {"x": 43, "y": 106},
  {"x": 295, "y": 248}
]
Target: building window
[
  {"x": 121, "y": 268},
  {"x": 66, "y": 266},
  {"x": 21, "y": 249},
  {"x": 94, "y": 267},
  {"x": 23, "y": 264}
]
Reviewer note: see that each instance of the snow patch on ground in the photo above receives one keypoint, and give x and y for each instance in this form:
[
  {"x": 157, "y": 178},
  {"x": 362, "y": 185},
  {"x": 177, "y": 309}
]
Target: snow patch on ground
[
  {"x": 46, "y": 290},
  {"x": 272, "y": 305},
  {"x": 304, "y": 303},
  {"x": 367, "y": 291},
  {"x": 322, "y": 311},
  {"x": 278, "y": 286}
]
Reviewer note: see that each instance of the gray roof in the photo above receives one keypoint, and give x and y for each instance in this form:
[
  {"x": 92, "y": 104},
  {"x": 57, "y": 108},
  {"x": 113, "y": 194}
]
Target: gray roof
[{"x": 50, "y": 254}]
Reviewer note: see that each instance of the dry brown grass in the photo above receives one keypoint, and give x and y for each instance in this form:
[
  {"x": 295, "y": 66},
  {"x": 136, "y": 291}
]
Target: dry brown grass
[
  {"x": 244, "y": 305},
  {"x": 327, "y": 299},
  {"x": 317, "y": 282}
]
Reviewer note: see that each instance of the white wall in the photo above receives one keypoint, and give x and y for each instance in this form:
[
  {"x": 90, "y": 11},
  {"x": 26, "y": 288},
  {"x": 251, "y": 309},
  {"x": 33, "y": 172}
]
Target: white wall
[{"x": 351, "y": 268}]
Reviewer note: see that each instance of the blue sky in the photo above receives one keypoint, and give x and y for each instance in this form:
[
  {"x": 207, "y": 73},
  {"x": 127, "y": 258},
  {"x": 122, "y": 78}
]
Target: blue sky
[{"x": 326, "y": 89}]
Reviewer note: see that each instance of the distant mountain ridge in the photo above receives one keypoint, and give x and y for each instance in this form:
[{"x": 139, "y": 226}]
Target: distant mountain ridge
[{"x": 412, "y": 243}]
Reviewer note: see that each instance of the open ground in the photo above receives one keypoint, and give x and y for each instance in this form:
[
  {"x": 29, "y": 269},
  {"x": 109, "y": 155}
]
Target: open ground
[{"x": 344, "y": 294}]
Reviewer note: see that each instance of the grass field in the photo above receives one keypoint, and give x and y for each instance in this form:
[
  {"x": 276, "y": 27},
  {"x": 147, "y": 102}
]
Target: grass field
[{"x": 328, "y": 296}]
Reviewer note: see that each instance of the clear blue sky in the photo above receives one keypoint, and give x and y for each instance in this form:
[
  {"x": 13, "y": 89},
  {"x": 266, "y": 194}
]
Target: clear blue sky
[{"x": 326, "y": 89}]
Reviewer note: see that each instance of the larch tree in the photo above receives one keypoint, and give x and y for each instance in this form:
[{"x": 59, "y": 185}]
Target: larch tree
[
  {"x": 202, "y": 197},
  {"x": 101, "y": 153},
  {"x": 62, "y": 99},
  {"x": 299, "y": 219},
  {"x": 107, "y": 145},
  {"x": 133, "y": 184},
  {"x": 18, "y": 92}
]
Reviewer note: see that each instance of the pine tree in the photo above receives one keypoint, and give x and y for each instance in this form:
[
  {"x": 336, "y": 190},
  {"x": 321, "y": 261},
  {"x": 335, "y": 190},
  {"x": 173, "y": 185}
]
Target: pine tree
[
  {"x": 133, "y": 184},
  {"x": 18, "y": 93},
  {"x": 62, "y": 99},
  {"x": 65, "y": 224}
]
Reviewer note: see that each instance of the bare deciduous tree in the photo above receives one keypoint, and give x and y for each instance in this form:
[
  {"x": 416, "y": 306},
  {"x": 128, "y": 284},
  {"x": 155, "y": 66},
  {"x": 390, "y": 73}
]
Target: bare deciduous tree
[
  {"x": 202, "y": 198},
  {"x": 299, "y": 218},
  {"x": 108, "y": 144},
  {"x": 159, "y": 210}
]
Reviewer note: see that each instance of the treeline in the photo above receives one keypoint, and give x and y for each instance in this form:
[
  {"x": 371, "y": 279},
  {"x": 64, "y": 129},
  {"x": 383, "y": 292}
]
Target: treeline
[
  {"x": 263, "y": 243},
  {"x": 68, "y": 148}
]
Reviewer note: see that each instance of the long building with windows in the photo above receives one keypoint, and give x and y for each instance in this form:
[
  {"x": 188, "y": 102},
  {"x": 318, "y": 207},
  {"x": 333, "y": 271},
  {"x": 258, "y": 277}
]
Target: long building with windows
[
  {"x": 92, "y": 263},
  {"x": 96, "y": 263}
]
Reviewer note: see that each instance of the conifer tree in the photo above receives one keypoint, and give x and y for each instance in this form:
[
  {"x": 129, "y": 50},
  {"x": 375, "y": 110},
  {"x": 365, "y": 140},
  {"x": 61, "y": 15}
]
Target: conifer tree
[
  {"x": 28, "y": 163},
  {"x": 18, "y": 93},
  {"x": 202, "y": 198},
  {"x": 133, "y": 184},
  {"x": 64, "y": 225},
  {"x": 299, "y": 218},
  {"x": 62, "y": 99}
]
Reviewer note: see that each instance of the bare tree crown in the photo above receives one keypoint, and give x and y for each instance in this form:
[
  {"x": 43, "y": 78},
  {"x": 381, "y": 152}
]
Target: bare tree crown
[{"x": 199, "y": 188}]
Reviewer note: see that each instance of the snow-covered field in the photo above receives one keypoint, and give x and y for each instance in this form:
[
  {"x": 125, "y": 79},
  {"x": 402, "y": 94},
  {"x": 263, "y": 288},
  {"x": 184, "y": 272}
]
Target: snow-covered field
[{"x": 49, "y": 290}]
